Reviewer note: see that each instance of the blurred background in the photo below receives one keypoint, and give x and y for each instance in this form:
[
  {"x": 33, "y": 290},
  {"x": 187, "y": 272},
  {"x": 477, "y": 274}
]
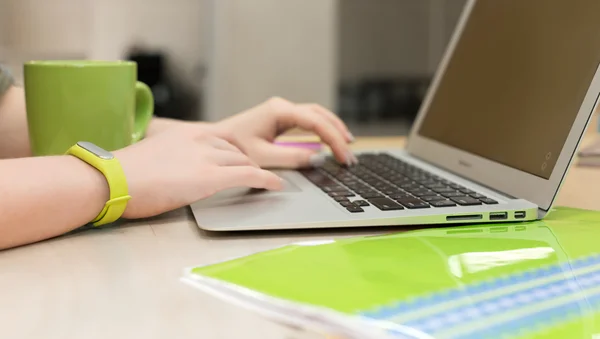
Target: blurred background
[{"x": 370, "y": 61}]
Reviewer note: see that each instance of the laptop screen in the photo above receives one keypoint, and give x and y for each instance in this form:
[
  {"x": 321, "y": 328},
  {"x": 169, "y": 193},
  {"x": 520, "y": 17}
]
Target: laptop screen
[{"x": 516, "y": 81}]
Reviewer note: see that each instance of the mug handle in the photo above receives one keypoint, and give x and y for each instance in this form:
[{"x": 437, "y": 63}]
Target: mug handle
[{"x": 144, "y": 110}]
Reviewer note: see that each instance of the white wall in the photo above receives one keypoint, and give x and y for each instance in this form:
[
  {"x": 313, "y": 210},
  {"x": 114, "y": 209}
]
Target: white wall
[
  {"x": 443, "y": 17},
  {"x": 257, "y": 48},
  {"x": 174, "y": 26},
  {"x": 262, "y": 48},
  {"x": 383, "y": 37},
  {"x": 3, "y": 31},
  {"x": 41, "y": 29},
  {"x": 454, "y": 9},
  {"x": 394, "y": 37},
  {"x": 49, "y": 27},
  {"x": 104, "y": 29}
]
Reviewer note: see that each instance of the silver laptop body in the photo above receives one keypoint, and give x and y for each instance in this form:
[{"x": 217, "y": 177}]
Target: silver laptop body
[{"x": 494, "y": 137}]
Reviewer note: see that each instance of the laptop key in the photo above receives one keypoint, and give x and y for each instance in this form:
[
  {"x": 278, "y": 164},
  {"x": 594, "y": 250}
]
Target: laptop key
[
  {"x": 477, "y": 196},
  {"x": 443, "y": 203},
  {"x": 422, "y": 192},
  {"x": 410, "y": 186},
  {"x": 385, "y": 204},
  {"x": 346, "y": 203},
  {"x": 354, "y": 209},
  {"x": 322, "y": 181},
  {"x": 397, "y": 196},
  {"x": 340, "y": 199},
  {"x": 391, "y": 191},
  {"x": 453, "y": 194},
  {"x": 328, "y": 189},
  {"x": 466, "y": 201},
  {"x": 371, "y": 195},
  {"x": 488, "y": 201},
  {"x": 413, "y": 203},
  {"x": 467, "y": 191},
  {"x": 341, "y": 194},
  {"x": 444, "y": 189},
  {"x": 361, "y": 203},
  {"x": 430, "y": 198}
]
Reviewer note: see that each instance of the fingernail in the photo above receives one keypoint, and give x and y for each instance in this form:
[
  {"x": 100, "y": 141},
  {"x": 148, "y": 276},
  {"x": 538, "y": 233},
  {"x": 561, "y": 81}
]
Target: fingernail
[
  {"x": 317, "y": 160},
  {"x": 351, "y": 137},
  {"x": 281, "y": 184},
  {"x": 351, "y": 159}
]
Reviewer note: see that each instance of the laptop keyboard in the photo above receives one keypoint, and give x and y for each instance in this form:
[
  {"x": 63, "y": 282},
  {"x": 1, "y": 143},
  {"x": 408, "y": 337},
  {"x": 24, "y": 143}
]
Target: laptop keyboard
[{"x": 389, "y": 184}]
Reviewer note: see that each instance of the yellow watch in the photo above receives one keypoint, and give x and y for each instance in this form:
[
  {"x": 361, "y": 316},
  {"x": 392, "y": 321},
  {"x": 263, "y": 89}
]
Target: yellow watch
[{"x": 109, "y": 166}]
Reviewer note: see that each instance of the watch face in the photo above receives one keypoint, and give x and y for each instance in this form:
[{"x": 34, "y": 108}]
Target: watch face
[{"x": 99, "y": 152}]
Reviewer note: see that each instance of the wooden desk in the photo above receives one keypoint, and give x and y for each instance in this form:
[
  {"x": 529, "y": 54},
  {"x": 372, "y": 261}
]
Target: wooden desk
[{"x": 123, "y": 282}]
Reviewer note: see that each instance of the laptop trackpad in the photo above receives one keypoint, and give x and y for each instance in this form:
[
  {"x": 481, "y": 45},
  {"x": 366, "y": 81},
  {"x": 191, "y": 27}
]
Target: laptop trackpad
[{"x": 236, "y": 196}]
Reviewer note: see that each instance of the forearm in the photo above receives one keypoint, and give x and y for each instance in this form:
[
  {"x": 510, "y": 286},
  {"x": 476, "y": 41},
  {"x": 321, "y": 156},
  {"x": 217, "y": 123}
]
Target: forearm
[
  {"x": 14, "y": 136},
  {"x": 47, "y": 196}
]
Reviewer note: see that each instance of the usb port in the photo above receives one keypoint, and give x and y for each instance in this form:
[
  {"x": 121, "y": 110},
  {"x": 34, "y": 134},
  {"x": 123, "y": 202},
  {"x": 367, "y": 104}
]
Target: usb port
[
  {"x": 520, "y": 215},
  {"x": 498, "y": 216}
]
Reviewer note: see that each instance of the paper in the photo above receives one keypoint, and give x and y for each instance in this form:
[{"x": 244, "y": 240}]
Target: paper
[{"x": 523, "y": 280}]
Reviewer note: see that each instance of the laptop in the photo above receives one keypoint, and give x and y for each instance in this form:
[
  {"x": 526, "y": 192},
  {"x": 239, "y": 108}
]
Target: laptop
[{"x": 492, "y": 142}]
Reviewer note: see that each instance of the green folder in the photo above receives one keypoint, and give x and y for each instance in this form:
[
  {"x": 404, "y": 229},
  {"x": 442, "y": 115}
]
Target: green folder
[{"x": 517, "y": 280}]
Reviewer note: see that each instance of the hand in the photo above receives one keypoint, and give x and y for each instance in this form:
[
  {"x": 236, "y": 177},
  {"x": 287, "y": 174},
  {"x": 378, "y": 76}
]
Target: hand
[
  {"x": 182, "y": 165},
  {"x": 254, "y": 131}
]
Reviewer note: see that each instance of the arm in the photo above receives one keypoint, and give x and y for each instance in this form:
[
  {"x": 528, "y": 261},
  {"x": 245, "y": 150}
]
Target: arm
[
  {"x": 44, "y": 197},
  {"x": 14, "y": 139},
  {"x": 47, "y": 196},
  {"x": 41, "y": 197}
]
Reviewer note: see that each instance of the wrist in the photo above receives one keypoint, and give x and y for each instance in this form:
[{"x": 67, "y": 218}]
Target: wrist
[
  {"x": 92, "y": 182},
  {"x": 110, "y": 167}
]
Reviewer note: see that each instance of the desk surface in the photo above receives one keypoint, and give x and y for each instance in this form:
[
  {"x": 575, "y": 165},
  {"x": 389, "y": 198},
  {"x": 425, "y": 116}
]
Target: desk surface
[{"x": 123, "y": 282}]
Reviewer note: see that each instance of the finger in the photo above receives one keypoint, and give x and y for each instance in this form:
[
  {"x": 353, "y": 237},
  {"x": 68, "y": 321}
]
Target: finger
[
  {"x": 333, "y": 118},
  {"x": 228, "y": 158},
  {"x": 308, "y": 119},
  {"x": 287, "y": 157},
  {"x": 246, "y": 176}
]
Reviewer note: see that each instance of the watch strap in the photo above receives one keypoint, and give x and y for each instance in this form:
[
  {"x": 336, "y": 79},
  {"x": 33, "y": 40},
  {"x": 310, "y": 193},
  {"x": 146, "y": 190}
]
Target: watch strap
[{"x": 112, "y": 170}]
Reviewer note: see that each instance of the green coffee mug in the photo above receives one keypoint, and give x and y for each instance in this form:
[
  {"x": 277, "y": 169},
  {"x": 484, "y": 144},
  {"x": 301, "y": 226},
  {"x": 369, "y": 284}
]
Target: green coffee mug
[{"x": 96, "y": 101}]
